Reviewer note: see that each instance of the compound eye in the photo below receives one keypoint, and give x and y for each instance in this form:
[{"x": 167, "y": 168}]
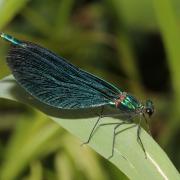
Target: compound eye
[{"x": 149, "y": 111}]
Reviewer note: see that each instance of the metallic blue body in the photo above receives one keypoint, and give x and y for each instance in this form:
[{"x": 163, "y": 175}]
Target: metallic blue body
[{"x": 12, "y": 40}]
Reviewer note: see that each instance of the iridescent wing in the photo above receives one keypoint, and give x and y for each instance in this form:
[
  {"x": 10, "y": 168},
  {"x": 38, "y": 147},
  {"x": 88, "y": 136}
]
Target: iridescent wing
[{"x": 56, "y": 82}]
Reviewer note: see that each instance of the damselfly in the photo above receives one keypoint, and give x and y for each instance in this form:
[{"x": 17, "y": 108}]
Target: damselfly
[{"x": 56, "y": 82}]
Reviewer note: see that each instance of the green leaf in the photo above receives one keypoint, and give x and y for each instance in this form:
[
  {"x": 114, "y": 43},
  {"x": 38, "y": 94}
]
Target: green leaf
[
  {"x": 128, "y": 157},
  {"x": 8, "y": 9},
  {"x": 168, "y": 25}
]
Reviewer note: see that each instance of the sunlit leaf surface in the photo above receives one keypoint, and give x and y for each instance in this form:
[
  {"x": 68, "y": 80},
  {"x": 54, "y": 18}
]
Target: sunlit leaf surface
[{"x": 128, "y": 157}]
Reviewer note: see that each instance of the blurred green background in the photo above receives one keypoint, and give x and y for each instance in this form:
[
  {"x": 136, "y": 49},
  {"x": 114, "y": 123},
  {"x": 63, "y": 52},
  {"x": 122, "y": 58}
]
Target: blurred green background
[{"x": 133, "y": 44}]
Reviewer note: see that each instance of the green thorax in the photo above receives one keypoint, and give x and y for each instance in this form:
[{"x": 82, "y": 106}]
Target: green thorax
[{"x": 130, "y": 103}]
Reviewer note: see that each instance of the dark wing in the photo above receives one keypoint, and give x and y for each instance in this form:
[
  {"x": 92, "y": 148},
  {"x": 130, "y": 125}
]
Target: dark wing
[{"x": 56, "y": 82}]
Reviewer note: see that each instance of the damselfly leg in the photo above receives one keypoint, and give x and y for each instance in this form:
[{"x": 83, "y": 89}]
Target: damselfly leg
[{"x": 139, "y": 137}]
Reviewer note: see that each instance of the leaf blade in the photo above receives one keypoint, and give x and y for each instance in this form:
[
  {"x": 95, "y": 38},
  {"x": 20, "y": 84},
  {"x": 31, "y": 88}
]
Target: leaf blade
[{"x": 134, "y": 165}]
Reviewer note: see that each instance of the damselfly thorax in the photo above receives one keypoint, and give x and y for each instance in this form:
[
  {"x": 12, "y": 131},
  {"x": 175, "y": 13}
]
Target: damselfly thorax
[{"x": 128, "y": 103}]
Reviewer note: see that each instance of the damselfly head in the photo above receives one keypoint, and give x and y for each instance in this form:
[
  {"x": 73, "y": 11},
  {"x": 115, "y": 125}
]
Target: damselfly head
[{"x": 149, "y": 108}]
